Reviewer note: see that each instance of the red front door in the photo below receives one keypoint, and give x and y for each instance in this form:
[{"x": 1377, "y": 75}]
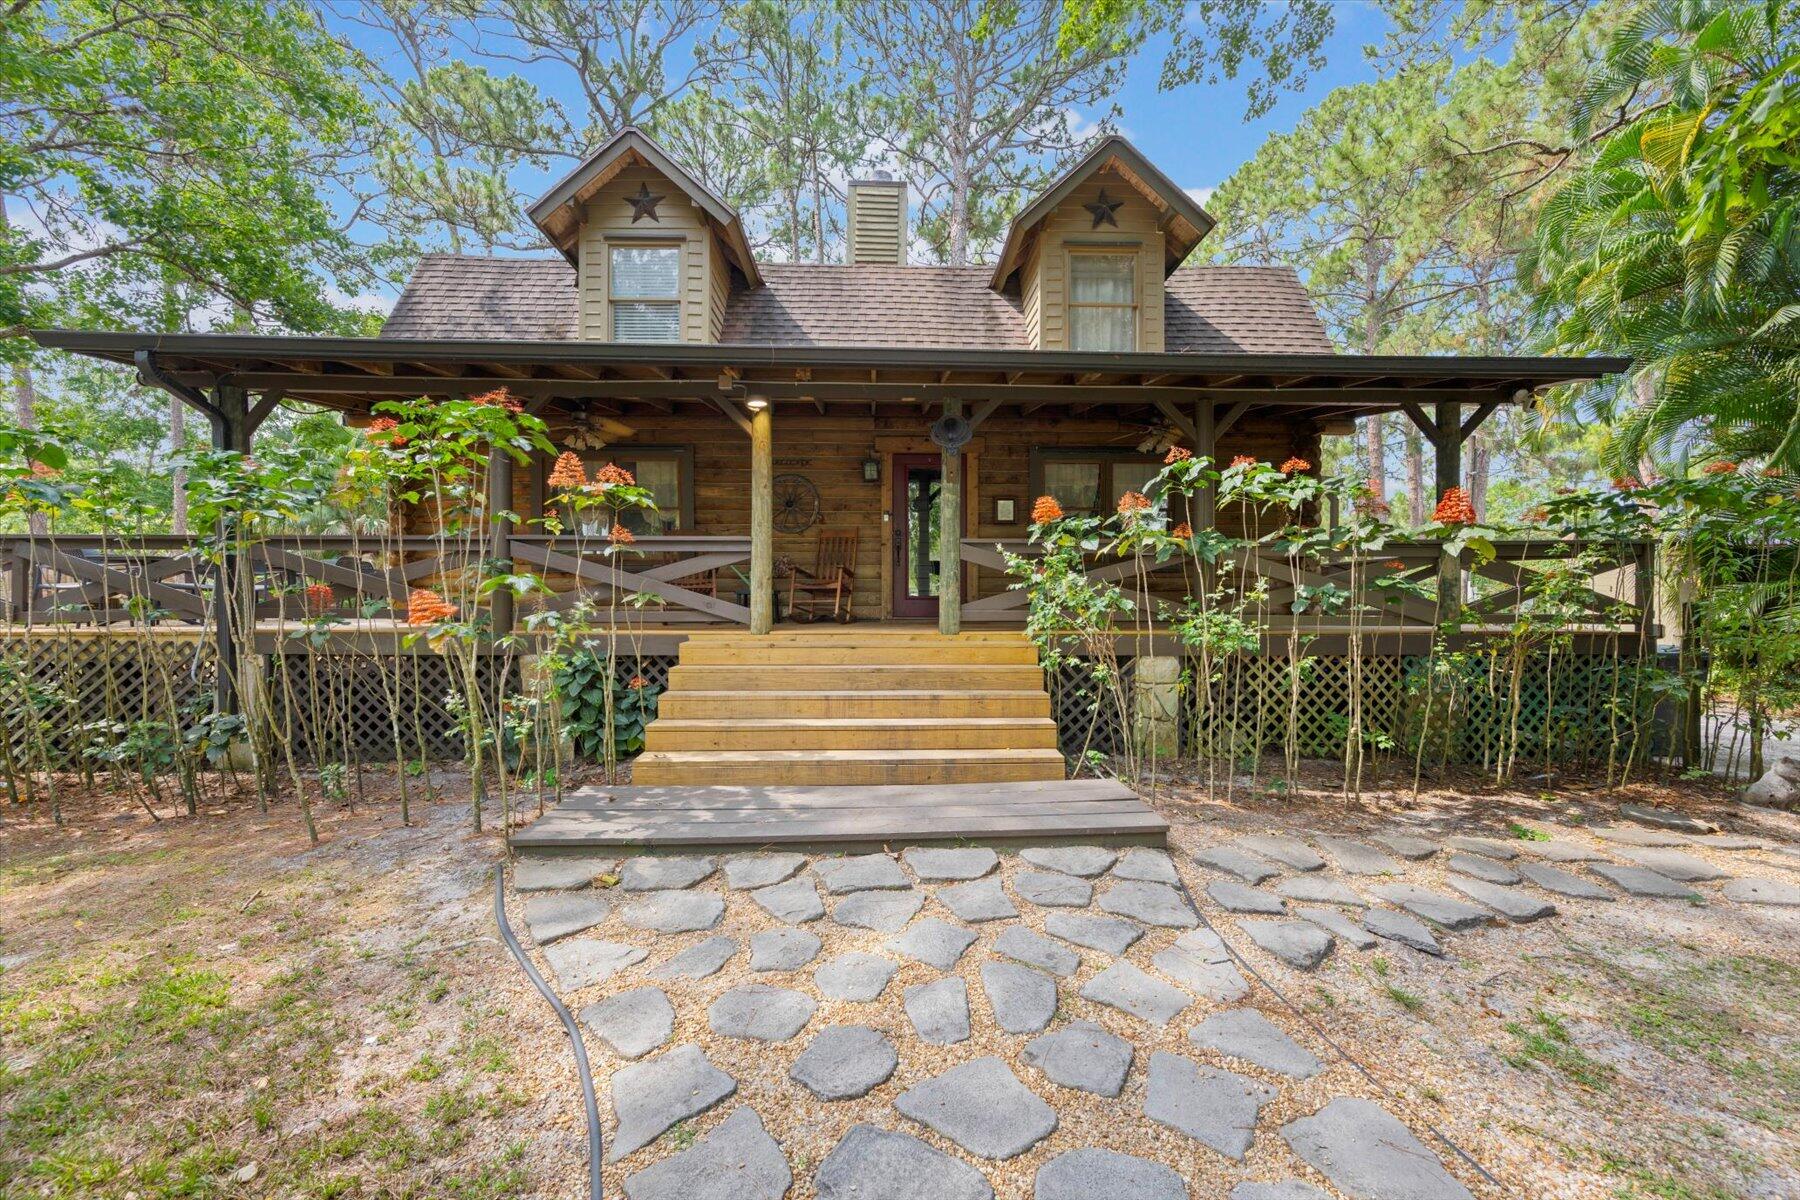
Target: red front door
[{"x": 915, "y": 542}]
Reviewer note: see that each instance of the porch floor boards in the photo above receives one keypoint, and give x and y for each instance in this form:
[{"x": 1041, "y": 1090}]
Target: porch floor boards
[{"x": 1029, "y": 813}]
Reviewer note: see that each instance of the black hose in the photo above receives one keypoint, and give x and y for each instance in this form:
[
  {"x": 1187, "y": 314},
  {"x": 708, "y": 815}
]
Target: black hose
[{"x": 569, "y": 1026}]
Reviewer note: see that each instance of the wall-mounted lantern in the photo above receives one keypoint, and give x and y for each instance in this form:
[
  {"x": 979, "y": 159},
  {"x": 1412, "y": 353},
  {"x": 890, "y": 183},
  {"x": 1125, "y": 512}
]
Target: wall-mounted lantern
[{"x": 871, "y": 470}]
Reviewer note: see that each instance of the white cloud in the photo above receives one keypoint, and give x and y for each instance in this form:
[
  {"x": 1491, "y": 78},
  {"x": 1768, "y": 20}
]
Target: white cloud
[{"x": 1200, "y": 195}]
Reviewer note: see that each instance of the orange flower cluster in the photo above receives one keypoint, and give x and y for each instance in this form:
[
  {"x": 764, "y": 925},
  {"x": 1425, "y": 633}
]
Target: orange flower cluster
[
  {"x": 1771, "y": 472},
  {"x": 1395, "y": 564},
  {"x": 381, "y": 429},
  {"x": 620, "y": 535},
  {"x": 611, "y": 474},
  {"x": 1132, "y": 503},
  {"x": 319, "y": 597},
  {"x": 1627, "y": 483},
  {"x": 1538, "y": 516},
  {"x": 1176, "y": 454},
  {"x": 501, "y": 398},
  {"x": 1182, "y": 532},
  {"x": 1721, "y": 467},
  {"x": 44, "y": 471},
  {"x": 426, "y": 607},
  {"x": 1455, "y": 508},
  {"x": 1295, "y": 466},
  {"x": 637, "y": 683},
  {"x": 568, "y": 473},
  {"x": 1046, "y": 510},
  {"x": 1243, "y": 460},
  {"x": 1375, "y": 506}
]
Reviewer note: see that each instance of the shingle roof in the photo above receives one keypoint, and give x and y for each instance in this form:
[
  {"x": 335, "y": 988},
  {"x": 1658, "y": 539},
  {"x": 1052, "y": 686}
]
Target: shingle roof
[{"x": 1207, "y": 310}]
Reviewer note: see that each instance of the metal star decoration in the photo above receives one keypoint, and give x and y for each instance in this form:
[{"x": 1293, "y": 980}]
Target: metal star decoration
[
  {"x": 644, "y": 204},
  {"x": 1103, "y": 210}
]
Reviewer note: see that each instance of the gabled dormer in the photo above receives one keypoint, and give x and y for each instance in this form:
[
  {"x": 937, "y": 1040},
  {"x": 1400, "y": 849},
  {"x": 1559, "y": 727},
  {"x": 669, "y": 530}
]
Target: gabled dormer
[
  {"x": 1089, "y": 256},
  {"x": 656, "y": 253}
]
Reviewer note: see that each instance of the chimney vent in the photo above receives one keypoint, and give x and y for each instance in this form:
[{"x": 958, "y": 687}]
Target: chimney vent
[{"x": 876, "y": 230}]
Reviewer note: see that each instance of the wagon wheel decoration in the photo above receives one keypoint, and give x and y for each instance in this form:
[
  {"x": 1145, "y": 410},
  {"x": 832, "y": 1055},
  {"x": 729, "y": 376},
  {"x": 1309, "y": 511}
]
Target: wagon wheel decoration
[{"x": 796, "y": 503}]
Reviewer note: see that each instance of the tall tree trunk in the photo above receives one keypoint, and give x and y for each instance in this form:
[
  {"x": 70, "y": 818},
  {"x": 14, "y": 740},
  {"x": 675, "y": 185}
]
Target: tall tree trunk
[
  {"x": 1478, "y": 463},
  {"x": 25, "y": 408},
  {"x": 1375, "y": 452},
  {"x": 1415, "y": 477},
  {"x": 178, "y": 500},
  {"x": 819, "y": 219}
]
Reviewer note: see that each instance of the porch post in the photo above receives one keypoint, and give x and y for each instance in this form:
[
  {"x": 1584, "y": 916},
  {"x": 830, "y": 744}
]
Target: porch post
[
  {"x": 950, "y": 533},
  {"x": 231, "y": 430},
  {"x": 762, "y": 519},
  {"x": 1447, "y": 445},
  {"x": 500, "y": 499},
  {"x": 1206, "y": 439}
]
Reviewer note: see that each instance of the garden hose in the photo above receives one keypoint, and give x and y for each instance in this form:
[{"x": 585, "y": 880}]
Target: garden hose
[{"x": 569, "y": 1026}]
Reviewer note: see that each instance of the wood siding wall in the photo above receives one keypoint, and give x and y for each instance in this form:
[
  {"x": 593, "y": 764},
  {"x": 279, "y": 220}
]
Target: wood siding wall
[
  {"x": 1045, "y": 278},
  {"x": 679, "y": 220}
]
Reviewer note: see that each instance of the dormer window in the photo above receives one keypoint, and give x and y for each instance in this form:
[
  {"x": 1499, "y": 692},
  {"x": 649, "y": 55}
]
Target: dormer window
[
  {"x": 644, "y": 292},
  {"x": 1103, "y": 311}
]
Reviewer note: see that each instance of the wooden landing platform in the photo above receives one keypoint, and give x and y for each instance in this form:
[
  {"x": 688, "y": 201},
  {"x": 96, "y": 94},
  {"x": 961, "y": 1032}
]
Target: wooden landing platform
[{"x": 1036, "y": 812}]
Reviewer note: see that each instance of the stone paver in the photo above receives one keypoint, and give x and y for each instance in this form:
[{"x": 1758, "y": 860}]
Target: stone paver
[
  {"x": 1288, "y": 851},
  {"x": 1485, "y": 869},
  {"x": 649, "y": 873},
  {"x": 844, "y": 1062},
  {"x": 978, "y": 900},
  {"x": 1247, "y": 1034},
  {"x": 1338, "y": 925},
  {"x": 1130, "y": 989},
  {"x": 1663, "y": 818},
  {"x": 1287, "y": 1189},
  {"x": 1239, "y": 898},
  {"x": 738, "y": 1160},
  {"x": 935, "y": 865},
  {"x": 1643, "y": 882},
  {"x": 1313, "y": 889},
  {"x": 1359, "y": 858},
  {"x": 583, "y": 962},
  {"x": 1216, "y": 1108},
  {"x": 632, "y": 1023},
  {"x": 1109, "y": 935},
  {"x": 884, "y": 912},
  {"x": 1673, "y": 864},
  {"x": 757, "y": 1012},
  {"x": 1565, "y": 852},
  {"x": 1051, "y": 889},
  {"x": 562, "y": 914},
  {"x": 559, "y": 872},
  {"x": 673, "y": 912},
  {"x": 1081, "y": 1055},
  {"x": 1146, "y": 865},
  {"x": 783, "y": 949},
  {"x": 861, "y": 873},
  {"x": 1086, "y": 861},
  {"x": 1199, "y": 961},
  {"x": 1088, "y": 1173},
  {"x": 1485, "y": 847},
  {"x": 856, "y": 976},
  {"x": 1299, "y": 944},
  {"x": 1408, "y": 845},
  {"x": 982, "y": 1107},
  {"x": 1023, "y": 998},
  {"x": 878, "y": 1164},
  {"x": 1435, "y": 907},
  {"x": 1232, "y": 861},
  {"x": 1563, "y": 883},
  {"x": 1398, "y": 927},
  {"x": 648, "y": 1097},
  {"x": 1634, "y": 835},
  {"x": 1511, "y": 903},
  {"x": 747, "y": 871},
  {"x": 933, "y": 942},
  {"x": 1033, "y": 948},
  {"x": 1151, "y": 903},
  {"x": 700, "y": 960},
  {"x": 1763, "y": 891},
  {"x": 939, "y": 1011},
  {"x": 1368, "y": 1154},
  {"x": 795, "y": 902}
]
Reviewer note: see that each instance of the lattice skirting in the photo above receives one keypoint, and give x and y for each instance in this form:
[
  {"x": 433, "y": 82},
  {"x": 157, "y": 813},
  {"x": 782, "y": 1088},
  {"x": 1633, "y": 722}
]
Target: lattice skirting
[
  {"x": 62, "y": 695},
  {"x": 335, "y": 706}
]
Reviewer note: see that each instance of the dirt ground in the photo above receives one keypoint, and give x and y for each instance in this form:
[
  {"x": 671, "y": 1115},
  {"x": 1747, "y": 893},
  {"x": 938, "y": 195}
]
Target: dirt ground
[{"x": 201, "y": 1007}]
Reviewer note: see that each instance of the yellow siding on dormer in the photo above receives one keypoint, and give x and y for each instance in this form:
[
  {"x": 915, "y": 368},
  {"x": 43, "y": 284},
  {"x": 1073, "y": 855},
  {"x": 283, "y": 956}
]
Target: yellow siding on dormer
[
  {"x": 1044, "y": 278},
  {"x": 608, "y": 218}
]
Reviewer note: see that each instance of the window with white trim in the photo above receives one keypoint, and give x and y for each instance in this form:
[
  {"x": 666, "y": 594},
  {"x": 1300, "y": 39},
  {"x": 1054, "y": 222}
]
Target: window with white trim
[
  {"x": 1102, "y": 300},
  {"x": 644, "y": 292}
]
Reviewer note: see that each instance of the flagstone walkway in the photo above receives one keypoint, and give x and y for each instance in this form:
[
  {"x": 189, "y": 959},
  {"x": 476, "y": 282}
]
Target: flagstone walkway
[{"x": 1062, "y": 1022}]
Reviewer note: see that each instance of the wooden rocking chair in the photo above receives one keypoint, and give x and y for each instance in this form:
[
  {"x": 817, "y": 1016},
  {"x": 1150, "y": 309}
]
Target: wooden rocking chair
[{"x": 832, "y": 578}]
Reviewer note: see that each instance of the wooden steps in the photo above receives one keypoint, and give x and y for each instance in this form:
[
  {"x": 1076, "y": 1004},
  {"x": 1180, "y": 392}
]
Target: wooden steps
[{"x": 835, "y": 707}]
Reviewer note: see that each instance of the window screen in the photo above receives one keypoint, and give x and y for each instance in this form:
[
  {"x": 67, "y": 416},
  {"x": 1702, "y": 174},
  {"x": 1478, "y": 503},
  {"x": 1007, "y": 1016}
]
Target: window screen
[
  {"x": 645, "y": 291},
  {"x": 1102, "y": 305}
]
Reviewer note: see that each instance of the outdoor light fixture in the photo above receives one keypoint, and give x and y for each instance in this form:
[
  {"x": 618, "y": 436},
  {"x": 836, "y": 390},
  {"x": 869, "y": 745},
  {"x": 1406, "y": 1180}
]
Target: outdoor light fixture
[
  {"x": 871, "y": 470},
  {"x": 756, "y": 403}
]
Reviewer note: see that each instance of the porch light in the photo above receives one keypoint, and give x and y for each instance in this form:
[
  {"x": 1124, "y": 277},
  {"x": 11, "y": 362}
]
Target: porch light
[
  {"x": 871, "y": 470},
  {"x": 756, "y": 403}
]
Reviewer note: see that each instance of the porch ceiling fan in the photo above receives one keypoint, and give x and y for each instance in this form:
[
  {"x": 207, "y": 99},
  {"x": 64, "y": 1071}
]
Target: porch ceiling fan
[{"x": 796, "y": 503}]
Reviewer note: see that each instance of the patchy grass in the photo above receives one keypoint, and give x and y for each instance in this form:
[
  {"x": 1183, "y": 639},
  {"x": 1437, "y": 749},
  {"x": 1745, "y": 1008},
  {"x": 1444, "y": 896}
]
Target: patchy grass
[
  {"x": 1412, "y": 1002},
  {"x": 1546, "y": 1041}
]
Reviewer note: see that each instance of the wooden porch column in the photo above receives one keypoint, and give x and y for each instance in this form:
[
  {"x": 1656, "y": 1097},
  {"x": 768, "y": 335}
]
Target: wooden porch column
[
  {"x": 1206, "y": 439},
  {"x": 1447, "y": 444},
  {"x": 500, "y": 501},
  {"x": 232, "y": 430},
  {"x": 762, "y": 519},
  {"x": 950, "y": 533}
]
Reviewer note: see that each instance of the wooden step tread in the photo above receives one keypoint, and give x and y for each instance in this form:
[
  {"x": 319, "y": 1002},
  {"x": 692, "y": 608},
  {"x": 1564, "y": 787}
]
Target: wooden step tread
[
  {"x": 923, "y": 695},
  {"x": 846, "y": 756},
  {"x": 909, "y": 722}
]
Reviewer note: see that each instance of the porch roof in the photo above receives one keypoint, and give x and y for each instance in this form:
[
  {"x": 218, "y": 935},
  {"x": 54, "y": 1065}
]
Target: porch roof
[{"x": 354, "y": 373}]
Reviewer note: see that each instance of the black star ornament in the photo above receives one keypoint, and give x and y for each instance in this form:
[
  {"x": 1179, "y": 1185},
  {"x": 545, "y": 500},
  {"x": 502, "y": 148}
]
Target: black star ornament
[
  {"x": 644, "y": 204},
  {"x": 1103, "y": 210}
]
